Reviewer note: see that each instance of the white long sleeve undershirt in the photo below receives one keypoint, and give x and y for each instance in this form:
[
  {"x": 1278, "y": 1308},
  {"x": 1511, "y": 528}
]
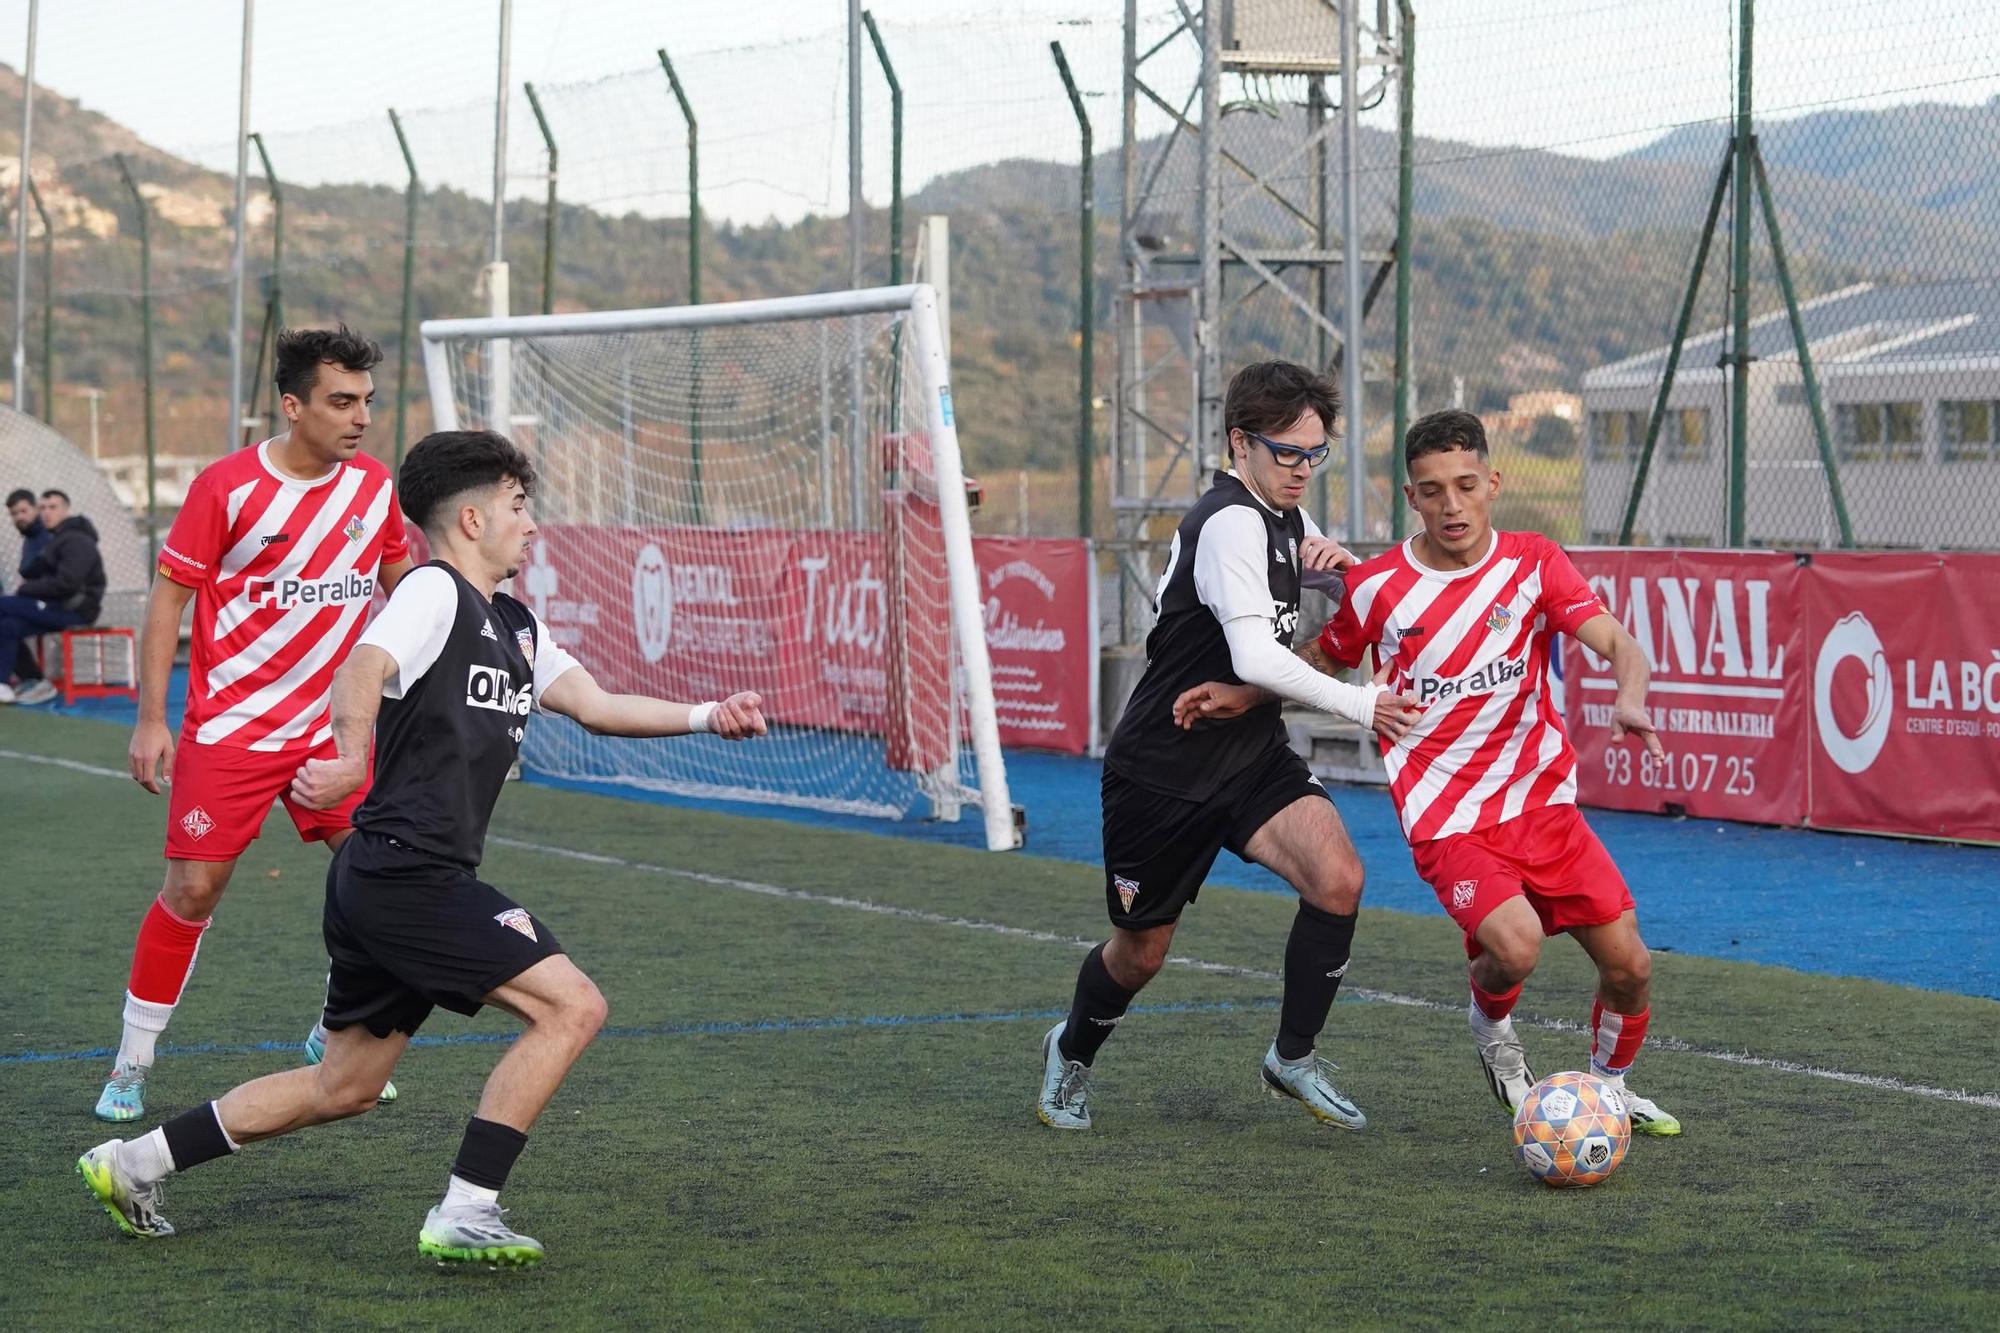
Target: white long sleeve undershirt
[{"x": 1258, "y": 660}]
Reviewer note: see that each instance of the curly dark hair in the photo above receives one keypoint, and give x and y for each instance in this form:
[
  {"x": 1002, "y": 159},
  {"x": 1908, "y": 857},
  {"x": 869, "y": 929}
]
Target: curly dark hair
[
  {"x": 448, "y": 463},
  {"x": 1441, "y": 432},
  {"x": 301, "y": 352}
]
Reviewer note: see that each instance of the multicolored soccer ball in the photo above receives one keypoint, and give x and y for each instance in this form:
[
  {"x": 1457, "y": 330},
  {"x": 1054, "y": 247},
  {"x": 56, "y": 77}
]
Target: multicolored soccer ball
[{"x": 1572, "y": 1130}]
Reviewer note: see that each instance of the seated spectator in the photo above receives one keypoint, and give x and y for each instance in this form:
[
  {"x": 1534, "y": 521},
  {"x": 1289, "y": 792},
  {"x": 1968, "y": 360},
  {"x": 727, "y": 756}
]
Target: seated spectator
[
  {"x": 21, "y": 508},
  {"x": 62, "y": 589}
]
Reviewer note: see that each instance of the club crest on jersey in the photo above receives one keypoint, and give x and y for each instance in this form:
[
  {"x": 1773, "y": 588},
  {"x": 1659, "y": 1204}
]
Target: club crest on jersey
[
  {"x": 1462, "y": 894},
  {"x": 1499, "y": 618},
  {"x": 514, "y": 918},
  {"x": 197, "y": 823},
  {"x": 1128, "y": 889},
  {"x": 526, "y": 638},
  {"x": 355, "y": 529}
]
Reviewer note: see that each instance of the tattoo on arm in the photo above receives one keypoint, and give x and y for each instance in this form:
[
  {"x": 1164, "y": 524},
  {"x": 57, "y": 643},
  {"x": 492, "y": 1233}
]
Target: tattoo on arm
[{"x": 1314, "y": 656}]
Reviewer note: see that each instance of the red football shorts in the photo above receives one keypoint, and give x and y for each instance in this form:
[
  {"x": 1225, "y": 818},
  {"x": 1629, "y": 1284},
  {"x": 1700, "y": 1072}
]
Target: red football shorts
[
  {"x": 221, "y": 793},
  {"x": 1549, "y": 855}
]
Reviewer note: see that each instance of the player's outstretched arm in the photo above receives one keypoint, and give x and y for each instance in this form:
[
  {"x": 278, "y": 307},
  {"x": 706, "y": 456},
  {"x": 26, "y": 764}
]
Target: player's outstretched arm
[
  {"x": 1603, "y": 635},
  {"x": 576, "y": 694},
  {"x": 321, "y": 784},
  {"x": 150, "y": 756}
]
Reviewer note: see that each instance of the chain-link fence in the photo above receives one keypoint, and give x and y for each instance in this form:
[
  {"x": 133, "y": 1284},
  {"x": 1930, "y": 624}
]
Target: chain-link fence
[{"x": 1565, "y": 156}]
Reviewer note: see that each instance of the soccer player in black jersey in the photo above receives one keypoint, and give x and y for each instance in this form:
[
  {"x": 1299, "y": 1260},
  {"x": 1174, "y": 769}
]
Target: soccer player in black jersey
[
  {"x": 453, "y": 667},
  {"x": 1227, "y": 605}
]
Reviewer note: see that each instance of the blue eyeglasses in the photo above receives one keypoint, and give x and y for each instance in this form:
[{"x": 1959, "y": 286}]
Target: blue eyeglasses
[{"x": 1290, "y": 455}]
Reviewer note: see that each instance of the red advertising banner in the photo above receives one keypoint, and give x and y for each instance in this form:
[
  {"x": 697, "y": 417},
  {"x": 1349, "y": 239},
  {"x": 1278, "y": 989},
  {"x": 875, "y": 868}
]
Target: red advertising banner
[
  {"x": 835, "y": 629},
  {"x": 1905, "y": 687},
  {"x": 1723, "y": 632},
  {"x": 1040, "y": 618}
]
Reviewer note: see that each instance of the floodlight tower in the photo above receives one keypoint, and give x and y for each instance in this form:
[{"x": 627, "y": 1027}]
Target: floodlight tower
[{"x": 1219, "y": 224}]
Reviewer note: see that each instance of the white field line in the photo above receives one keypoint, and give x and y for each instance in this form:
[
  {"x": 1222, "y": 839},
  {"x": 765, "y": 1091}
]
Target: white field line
[{"x": 1989, "y": 1100}]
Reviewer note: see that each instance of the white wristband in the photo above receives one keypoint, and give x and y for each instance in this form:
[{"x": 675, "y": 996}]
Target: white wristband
[{"x": 699, "y": 715}]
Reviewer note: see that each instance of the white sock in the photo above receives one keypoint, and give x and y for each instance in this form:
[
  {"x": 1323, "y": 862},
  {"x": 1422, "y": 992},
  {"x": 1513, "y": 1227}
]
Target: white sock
[
  {"x": 144, "y": 1022},
  {"x": 1489, "y": 1029},
  {"x": 147, "y": 1159},
  {"x": 462, "y": 1191}
]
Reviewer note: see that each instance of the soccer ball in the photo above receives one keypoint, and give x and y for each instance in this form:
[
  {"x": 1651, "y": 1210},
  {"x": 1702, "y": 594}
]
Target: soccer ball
[{"x": 1572, "y": 1130}]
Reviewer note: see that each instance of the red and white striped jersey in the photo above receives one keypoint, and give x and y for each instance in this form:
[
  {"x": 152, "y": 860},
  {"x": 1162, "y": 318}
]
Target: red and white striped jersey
[
  {"x": 283, "y": 572},
  {"x": 1472, "y": 647}
]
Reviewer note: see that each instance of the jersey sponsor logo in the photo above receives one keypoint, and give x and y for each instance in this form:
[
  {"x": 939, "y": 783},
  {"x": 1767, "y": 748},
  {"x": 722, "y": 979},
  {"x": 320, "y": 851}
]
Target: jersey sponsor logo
[
  {"x": 1128, "y": 889},
  {"x": 1462, "y": 894},
  {"x": 356, "y": 528},
  {"x": 197, "y": 823},
  {"x": 187, "y": 560},
  {"x": 274, "y": 538},
  {"x": 289, "y": 591},
  {"x": 1506, "y": 671},
  {"x": 514, "y": 918},
  {"x": 493, "y": 687},
  {"x": 1287, "y": 618},
  {"x": 1581, "y": 603},
  {"x": 1499, "y": 618}
]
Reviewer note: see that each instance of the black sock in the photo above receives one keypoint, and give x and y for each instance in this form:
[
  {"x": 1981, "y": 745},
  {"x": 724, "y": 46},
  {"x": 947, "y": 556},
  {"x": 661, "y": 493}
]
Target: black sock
[
  {"x": 487, "y": 1152},
  {"x": 1100, "y": 1002},
  {"x": 1315, "y": 958},
  {"x": 196, "y": 1136}
]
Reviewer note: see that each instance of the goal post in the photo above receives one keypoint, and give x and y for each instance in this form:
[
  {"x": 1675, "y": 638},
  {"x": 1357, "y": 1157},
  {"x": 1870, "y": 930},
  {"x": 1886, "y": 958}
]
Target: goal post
[{"x": 780, "y": 484}]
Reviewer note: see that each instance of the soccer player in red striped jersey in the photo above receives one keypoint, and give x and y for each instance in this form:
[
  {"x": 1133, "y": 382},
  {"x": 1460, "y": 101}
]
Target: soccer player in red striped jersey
[
  {"x": 1464, "y": 618},
  {"x": 281, "y": 547}
]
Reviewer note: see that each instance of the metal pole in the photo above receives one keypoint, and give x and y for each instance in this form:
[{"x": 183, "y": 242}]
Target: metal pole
[
  {"x": 1210, "y": 431},
  {"x": 146, "y": 356},
  {"x": 408, "y": 326},
  {"x": 895, "y": 151},
  {"x": 1406, "y": 377},
  {"x": 21, "y": 217},
  {"x": 549, "y": 218},
  {"x": 500, "y": 99},
  {"x": 1739, "y": 369},
  {"x": 694, "y": 181},
  {"x": 1086, "y": 306},
  {"x": 857, "y": 429},
  {"x": 694, "y": 275},
  {"x": 1821, "y": 436},
  {"x": 48, "y": 399},
  {"x": 1322, "y": 236},
  {"x": 1350, "y": 273},
  {"x": 239, "y": 235},
  {"x": 1645, "y": 462},
  {"x": 276, "y": 304}
]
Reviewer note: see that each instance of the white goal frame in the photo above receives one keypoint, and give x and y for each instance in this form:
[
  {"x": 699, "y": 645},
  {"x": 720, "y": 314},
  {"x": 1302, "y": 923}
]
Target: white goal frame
[{"x": 920, "y": 302}]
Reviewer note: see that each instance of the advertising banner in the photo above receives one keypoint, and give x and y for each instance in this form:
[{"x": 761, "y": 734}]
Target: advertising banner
[
  {"x": 1904, "y": 678},
  {"x": 832, "y": 628},
  {"x": 1723, "y": 632}
]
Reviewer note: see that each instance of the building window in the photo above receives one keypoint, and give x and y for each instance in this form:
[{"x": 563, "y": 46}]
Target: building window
[
  {"x": 1880, "y": 432},
  {"x": 1688, "y": 442},
  {"x": 1615, "y": 437},
  {"x": 1971, "y": 430}
]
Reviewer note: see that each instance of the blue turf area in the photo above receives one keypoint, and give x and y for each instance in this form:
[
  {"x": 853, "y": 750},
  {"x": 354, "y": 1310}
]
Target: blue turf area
[{"x": 1918, "y": 914}]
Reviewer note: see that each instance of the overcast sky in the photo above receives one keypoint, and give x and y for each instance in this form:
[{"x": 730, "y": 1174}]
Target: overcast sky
[{"x": 1593, "y": 77}]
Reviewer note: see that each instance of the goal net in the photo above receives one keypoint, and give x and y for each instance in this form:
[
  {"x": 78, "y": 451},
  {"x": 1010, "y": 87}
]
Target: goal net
[{"x": 755, "y": 495}]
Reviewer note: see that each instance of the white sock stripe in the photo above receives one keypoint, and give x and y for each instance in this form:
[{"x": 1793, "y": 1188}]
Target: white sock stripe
[{"x": 1604, "y": 1041}]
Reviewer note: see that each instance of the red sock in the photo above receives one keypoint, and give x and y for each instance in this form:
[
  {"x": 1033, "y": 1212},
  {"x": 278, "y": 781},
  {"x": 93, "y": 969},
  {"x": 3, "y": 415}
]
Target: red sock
[
  {"x": 1496, "y": 1005},
  {"x": 1615, "y": 1039},
  {"x": 164, "y": 956}
]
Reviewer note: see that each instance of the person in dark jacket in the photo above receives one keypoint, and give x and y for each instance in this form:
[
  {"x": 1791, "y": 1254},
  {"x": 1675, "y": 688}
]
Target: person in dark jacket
[
  {"x": 61, "y": 589},
  {"x": 27, "y": 522}
]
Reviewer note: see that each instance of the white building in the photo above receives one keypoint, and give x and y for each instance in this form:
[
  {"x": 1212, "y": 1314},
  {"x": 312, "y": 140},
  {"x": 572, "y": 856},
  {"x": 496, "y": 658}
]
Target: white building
[{"x": 1910, "y": 380}]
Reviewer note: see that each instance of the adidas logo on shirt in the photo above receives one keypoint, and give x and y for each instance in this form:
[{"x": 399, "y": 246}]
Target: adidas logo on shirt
[{"x": 486, "y": 632}]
